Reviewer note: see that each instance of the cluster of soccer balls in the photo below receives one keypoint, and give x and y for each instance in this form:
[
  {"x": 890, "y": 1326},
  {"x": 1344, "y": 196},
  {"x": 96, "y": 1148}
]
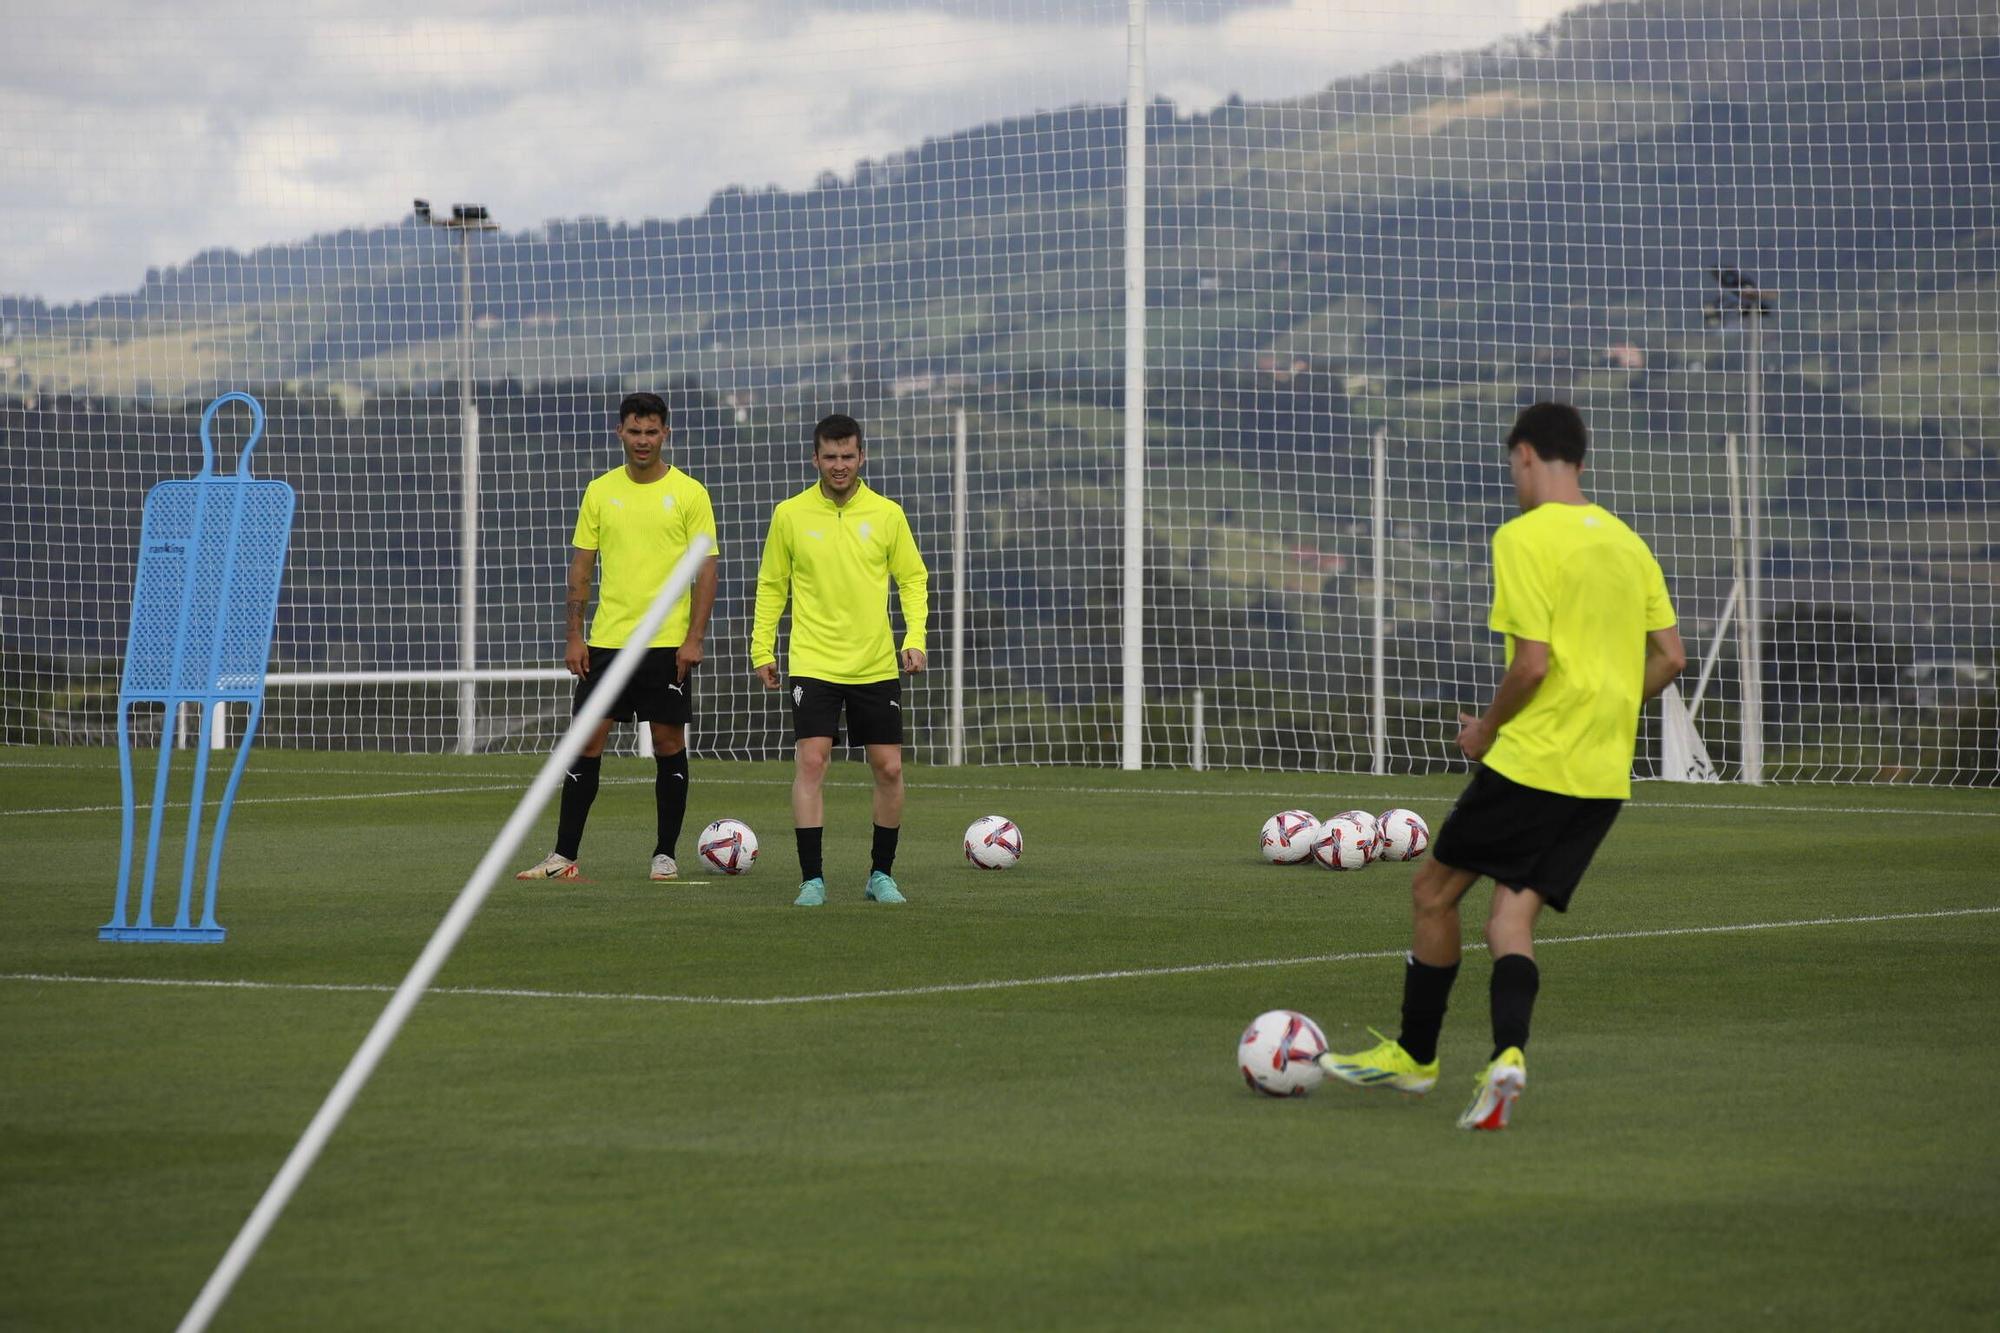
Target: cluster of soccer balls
[
  {"x": 1351, "y": 840},
  {"x": 729, "y": 847}
]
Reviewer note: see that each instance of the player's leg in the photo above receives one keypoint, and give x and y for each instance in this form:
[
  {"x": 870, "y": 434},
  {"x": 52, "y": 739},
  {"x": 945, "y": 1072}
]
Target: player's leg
[
  {"x": 668, "y": 707},
  {"x": 579, "y": 790},
  {"x": 875, "y": 721},
  {"x": 1431, "y": 967},
  {"x": 1573, "y": 831},
  {"x": 815, "y": 727},
  {"x": 670, "y": 795},
  {"x": 1408, "y": 1062},
  {"x": 886, "y": 761},
  {"x": 811, "y": 757},
  {"x": 1510, "y": 935}
]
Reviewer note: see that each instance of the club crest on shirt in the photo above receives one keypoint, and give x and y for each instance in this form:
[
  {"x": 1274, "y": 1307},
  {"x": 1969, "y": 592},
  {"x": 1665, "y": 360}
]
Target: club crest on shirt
[
  {"x": 866, "y": 532},
  {"x": 666, "y": 502}
]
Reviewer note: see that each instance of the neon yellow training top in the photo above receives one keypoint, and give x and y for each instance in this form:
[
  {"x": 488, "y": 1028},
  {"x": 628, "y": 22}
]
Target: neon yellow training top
[
  {"x": 835, "y": 563},
  {"x": 640, "y": 531},
  {"x": 1576, "y": 578}
]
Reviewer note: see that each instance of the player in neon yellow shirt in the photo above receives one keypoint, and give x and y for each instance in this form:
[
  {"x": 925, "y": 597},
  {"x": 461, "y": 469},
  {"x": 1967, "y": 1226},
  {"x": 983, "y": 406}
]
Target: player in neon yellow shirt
[
  {"x": 833, "y": 550},
  {"x": 1590, "y": 637},
  {"x": 639, "y": 519}
]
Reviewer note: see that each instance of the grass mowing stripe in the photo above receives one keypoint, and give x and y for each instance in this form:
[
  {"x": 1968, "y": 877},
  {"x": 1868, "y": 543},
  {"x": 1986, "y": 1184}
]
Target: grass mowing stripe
[
  {"x": 1207, "y": 793},
  {"x": 969, "y": 987},
  {"x": 277, "y": 800}
]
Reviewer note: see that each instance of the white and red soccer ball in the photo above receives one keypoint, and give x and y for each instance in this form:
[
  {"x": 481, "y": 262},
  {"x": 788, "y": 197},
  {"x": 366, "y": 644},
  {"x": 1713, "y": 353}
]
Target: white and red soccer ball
[
  {"x": 1371, "y": 827},
  {"x": 1404, "y": 835},
  {"x": 1344, "y": 843},
  {"x": 1276, "y": 1054},
  {"x": 1288, "y": 837},
  {"x": 993, "y": 842},
  {"x": 729, "y": 846}
]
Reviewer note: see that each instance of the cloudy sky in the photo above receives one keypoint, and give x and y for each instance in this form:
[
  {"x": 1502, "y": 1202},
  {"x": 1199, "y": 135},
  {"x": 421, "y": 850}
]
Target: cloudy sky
[{"x": 135, "y": 133}]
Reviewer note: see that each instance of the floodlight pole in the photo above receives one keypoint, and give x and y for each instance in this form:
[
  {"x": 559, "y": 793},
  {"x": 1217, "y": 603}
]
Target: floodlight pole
[
  {"x": 464, "y": 220},
  {"x": 1738, "y": 295}
]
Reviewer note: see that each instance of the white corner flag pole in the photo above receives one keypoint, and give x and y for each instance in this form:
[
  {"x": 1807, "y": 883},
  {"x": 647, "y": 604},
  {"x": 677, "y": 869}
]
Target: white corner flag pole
[{"x": 432, "y": 959}]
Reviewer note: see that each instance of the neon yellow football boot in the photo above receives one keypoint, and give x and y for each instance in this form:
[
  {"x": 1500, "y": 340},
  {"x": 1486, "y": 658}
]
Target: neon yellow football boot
[
  {"x": 1387, "y": 1065},
  {"x": 1494, "y": 1095}
]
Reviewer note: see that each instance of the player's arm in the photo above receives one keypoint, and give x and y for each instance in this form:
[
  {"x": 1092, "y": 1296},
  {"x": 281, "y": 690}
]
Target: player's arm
[
  {"x": 700, "y": 605},
  {"x": 1666, "y": 658},
  {"x": 582, "y": 566},
  {"x": 913, "y": 592},
  {"x": 1525, "y": 675},
  {"x": 774, "y": 585}
]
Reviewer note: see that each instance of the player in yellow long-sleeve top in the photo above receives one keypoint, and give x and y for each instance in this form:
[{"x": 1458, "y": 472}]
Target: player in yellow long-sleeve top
[{"x": 832, "y": 550}]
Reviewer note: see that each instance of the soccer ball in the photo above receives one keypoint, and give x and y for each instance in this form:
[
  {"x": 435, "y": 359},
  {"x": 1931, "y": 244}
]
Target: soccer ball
[
  {"x": 1276, "y": 1054},
  {"x": 728, "y": 845},
  {"x": 1343, "y": 844},
  {"x": 1405, "y": 835},
  {"x": 1369, "y": 825},
  {"x": 992, "y": 842},
  {"x": 1288, "y": 837}
]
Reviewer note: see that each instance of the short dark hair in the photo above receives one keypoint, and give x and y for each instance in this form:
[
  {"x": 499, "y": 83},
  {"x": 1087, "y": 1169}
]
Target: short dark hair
[
  {"x": 1555, "y": 431},
  {"x": 838, "y": 426},
  {"x": 642, "y": 405}
]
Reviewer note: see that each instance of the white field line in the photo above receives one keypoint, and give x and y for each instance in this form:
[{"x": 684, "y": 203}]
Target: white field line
[
  {"x": 510, "y": 782},
  {"x": 969, "y": 987}
]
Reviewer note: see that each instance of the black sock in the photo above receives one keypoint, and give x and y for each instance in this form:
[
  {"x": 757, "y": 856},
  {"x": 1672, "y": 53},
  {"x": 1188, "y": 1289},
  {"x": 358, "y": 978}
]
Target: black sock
[
  {"x": 1426, "y": 995},
  {"x": 810, "y": 864},
  {"x": 579, "y": 790},
  {"x": 883, "y": 855},
  {"x": 670, "y": 799},
  {"x": 1515, "y": 981}
]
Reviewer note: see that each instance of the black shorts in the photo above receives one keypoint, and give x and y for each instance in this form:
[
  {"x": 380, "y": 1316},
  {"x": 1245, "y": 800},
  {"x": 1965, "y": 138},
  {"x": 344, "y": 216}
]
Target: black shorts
[
  {"x": 652, "y": 695},
  {"x": 874, "y": 710},
  {"x": 1524, "y": 837}
]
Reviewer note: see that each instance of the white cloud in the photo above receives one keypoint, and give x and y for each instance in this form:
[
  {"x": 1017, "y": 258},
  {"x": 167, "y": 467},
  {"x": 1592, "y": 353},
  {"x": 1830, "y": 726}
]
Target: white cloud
[{"x": 207, "y": 124}]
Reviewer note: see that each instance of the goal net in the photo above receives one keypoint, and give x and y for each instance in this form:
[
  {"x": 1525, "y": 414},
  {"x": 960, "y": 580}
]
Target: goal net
[{"x": 1750, "y": 240}]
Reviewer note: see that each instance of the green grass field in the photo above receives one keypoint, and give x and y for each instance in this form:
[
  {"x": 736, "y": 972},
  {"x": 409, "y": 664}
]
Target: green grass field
[{"x": 1762, "y": 1085}]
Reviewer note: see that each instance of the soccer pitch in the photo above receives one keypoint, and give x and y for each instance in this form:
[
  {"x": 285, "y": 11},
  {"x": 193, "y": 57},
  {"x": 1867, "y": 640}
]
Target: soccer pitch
[{"x": 1761, "y": 1087}]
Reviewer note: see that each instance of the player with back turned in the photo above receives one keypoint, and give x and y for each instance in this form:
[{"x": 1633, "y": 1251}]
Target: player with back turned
[
  {"x": 833, "y": 550},
  {"x": 1590, "y": 638},
  {"x": 636, "y": 521}
]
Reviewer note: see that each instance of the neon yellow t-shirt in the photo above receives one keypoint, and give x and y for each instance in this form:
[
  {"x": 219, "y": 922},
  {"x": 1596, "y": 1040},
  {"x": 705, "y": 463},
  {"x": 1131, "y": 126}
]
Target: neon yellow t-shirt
[
  {"x": 835, "y": 563},
  {"x": 1576, "y": 578},
  {"x": 640, "y": 531}
]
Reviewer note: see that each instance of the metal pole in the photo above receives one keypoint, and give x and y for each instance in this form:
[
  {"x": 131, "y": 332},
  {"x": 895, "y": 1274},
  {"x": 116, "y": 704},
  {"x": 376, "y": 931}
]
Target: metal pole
[
  {"x": 1378, "y": 721},
  {"x": 468, "y": 520},
  {"x": 1753, "y": 605},
  {"x": 1135, "y": 382},
  {"x": 1722, "y": 622},
  {"x": 443, "y": 940},
  {"x": 1198, "y": 747},
  {"x": 1745, "y": 654},
  {"x": 958, "y": 451}
]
